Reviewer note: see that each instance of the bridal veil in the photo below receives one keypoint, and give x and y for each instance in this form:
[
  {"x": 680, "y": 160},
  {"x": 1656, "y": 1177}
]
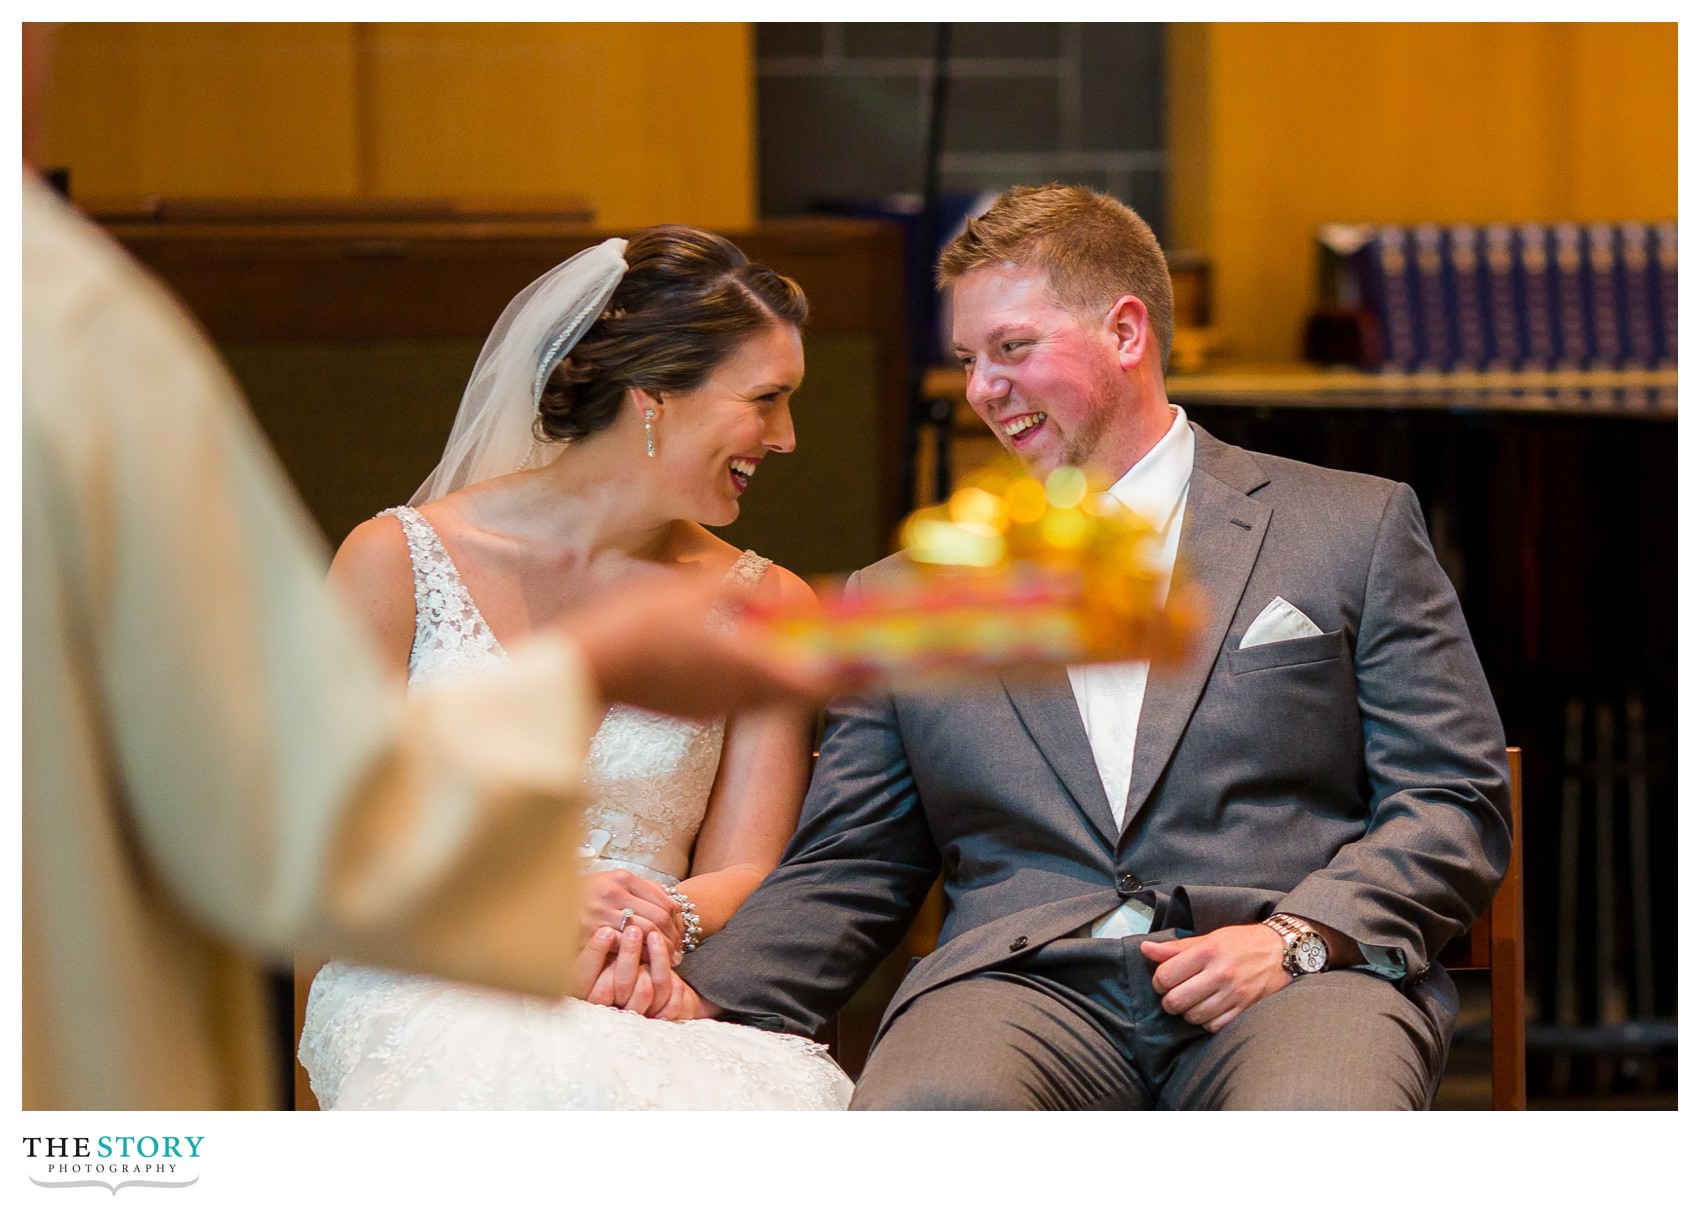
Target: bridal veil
[{"x": 493, "y": 431}]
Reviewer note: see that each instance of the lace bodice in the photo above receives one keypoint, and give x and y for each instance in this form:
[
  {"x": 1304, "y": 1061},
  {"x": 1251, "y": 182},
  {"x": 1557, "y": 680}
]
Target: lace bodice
[
  {"x": 375, "y": 1038},
  {"x": 648, "y": 775},
  {"x": 450, "y": 635}
]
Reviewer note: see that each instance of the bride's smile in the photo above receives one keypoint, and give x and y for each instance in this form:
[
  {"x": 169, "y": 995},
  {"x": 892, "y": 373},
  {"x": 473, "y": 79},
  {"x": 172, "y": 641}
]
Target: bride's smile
[
  {"x": 710, "y": 441},
  {"x": 742, "y": 470}
]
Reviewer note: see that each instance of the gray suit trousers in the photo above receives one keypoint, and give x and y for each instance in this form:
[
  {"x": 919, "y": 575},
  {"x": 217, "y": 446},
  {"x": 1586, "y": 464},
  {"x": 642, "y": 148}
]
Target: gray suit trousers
[{"x": 1078, "y": 1027}]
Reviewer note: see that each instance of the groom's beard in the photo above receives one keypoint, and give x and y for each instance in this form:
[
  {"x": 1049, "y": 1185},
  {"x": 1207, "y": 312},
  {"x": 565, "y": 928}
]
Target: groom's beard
[{"x": 1081, "y": 444}]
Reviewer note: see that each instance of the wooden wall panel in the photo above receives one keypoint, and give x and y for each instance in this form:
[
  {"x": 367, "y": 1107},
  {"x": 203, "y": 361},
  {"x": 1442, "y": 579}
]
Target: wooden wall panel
[
  {"x": 647, "y": 123},
  {"x": 1276, "y": 129},
  {"x": 196, "y": 110},
  {"x": 1625, "y": 149}
]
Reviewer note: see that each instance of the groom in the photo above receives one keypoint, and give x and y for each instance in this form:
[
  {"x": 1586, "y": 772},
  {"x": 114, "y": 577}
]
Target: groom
[{"x": 1221, "y": 884}]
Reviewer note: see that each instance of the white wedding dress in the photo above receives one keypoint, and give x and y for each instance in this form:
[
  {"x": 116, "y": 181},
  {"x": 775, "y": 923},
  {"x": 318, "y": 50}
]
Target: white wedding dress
[{"x": 380, "y": 1039}]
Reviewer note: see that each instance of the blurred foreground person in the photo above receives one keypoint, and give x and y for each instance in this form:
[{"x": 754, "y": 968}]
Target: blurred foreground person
[{"x": 217, "y": 771}]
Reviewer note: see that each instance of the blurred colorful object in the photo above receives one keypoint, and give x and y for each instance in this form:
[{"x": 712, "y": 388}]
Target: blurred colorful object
[{"x": 1009, "y": 572}]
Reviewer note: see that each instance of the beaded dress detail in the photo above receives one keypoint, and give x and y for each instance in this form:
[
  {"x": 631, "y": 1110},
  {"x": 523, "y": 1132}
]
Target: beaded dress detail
[{"x": 380, "y": 1039}]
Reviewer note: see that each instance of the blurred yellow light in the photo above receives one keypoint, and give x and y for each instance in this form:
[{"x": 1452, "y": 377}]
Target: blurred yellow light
[
  {"x": 1026, "y": 499},
  {"x": 977, "y": 509},
  {"x": 931, "y": 541},
  {"x": 1066, "y": 528},
  {"x": 1066, "y": 487}
]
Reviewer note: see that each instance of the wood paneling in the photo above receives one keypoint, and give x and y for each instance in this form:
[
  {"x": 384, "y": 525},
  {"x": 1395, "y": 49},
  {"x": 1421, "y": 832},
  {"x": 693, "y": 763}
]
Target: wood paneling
[
  {"x": 652, "y": 123},
  {"x": 1625, "y": 122},
  {"x": 202, "y": 110},
  {"x": 648, "y": 123},
  {"x": 1277, "y": 129}
]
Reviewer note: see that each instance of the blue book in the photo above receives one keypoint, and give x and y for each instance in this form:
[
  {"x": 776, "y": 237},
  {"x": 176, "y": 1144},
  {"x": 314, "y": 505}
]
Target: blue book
[
  {"x": 1469, "y": 292},
  {"x": 1572, "y": 347},
  {"x": 1506, "y": 349},
  {"x": 1394, "y": 289},
  {"x": 1435, "y": 315},
  {"x": 1538, "y": 312},
  {"x": 1640, "y": 296},
  {"x": 1664, "y": 261},
  {"x": 1606, "y": 296}
]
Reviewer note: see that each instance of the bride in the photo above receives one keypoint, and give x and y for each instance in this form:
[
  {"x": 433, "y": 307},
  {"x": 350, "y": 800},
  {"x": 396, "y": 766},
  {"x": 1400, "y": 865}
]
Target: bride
[{"x": 623, "y": 402}]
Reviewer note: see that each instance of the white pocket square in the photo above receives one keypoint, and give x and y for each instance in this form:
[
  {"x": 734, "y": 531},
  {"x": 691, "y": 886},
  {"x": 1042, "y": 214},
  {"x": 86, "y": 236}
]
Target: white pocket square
[{"x": 1280, "y": 620}]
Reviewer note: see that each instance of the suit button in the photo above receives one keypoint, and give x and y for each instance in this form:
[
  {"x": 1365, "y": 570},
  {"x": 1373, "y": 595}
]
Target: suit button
[
  {"x": 1128, "y": 883},
  {"x": 1019, "y": 943}
]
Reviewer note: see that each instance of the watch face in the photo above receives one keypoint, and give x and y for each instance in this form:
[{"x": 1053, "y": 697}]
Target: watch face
[{"x": 1311, "y": 953}]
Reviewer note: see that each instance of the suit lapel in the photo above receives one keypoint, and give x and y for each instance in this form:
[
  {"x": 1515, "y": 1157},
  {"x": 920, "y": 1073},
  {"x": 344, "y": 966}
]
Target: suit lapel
[
  {"x": 1220, "y": 538},
  {"x": 1046, "y": 704}
]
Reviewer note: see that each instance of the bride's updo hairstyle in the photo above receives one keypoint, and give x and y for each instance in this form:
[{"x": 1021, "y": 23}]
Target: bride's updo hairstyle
[{"x": 688, "y": 299}]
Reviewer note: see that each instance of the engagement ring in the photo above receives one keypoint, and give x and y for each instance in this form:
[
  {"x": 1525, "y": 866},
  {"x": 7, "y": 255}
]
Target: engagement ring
[{"x": 626, "y": 916}]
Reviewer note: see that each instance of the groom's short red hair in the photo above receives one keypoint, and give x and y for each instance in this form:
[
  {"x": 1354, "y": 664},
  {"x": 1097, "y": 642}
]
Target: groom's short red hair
[{"x": 1093, "y": 248}]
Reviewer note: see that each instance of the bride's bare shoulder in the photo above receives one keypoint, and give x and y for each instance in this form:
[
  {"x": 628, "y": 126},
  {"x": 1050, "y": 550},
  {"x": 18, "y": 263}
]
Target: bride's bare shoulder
[
  {"x": 778, "y": 585},
  {"x": 375, "y": 550},
  {"x": 374, "y": 574},
  {"x": 787, "y": 586}
]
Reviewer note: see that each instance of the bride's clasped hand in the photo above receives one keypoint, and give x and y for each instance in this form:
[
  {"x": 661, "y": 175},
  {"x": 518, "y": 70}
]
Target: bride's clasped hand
[{"x": 634, "y": 931}]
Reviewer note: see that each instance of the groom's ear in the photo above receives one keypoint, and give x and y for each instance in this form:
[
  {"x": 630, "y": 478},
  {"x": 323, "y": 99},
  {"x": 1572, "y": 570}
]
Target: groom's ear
[{"x": 1130, "y": 326}]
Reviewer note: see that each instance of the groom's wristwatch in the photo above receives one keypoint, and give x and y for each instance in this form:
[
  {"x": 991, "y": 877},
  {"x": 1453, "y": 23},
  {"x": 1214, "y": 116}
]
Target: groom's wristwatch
[{"x": 1307, "y": 951}]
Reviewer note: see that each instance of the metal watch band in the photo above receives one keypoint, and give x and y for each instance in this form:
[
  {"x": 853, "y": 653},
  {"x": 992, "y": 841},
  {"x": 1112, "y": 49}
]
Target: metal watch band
[{"x": 1293, "y": 932}]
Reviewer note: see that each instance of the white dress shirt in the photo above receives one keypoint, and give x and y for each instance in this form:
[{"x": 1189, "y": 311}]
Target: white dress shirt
[{"x": 1110, "y": 696}]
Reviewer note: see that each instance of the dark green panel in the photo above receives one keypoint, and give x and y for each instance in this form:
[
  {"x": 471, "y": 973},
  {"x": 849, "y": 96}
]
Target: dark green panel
[
  {"x": 1005, "y": 40},
  {"x": 816, "y": 511},
  {"x": 1121, "y": 84},
  {"x": 834, "y": 137},
  {"x": 1011, "y": 114},
  {"x": 359, "y": 425},
  {"x": 889, "y": 39},
  {"x": 788, "y": 38}
]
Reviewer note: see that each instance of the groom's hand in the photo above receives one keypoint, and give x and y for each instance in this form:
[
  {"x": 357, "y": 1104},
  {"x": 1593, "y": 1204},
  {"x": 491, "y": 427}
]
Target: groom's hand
[
  {"x": 634, "y": 971},
  {"x": 685, "y": 1002},
  {"x": 637, "y": 975},
  {"x": 1209, "y": 979}
]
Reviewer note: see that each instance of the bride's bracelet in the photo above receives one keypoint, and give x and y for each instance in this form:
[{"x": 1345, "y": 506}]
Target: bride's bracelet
[{"x": 693, "y": 922}]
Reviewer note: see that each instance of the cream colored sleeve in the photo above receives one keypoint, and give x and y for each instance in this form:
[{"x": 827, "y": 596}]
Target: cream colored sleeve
[{"x": 277, "y": 786}]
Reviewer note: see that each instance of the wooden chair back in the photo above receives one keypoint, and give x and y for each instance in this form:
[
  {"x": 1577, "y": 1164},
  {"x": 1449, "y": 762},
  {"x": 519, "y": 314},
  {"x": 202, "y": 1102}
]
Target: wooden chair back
[{"x": 1495, "y": 945}]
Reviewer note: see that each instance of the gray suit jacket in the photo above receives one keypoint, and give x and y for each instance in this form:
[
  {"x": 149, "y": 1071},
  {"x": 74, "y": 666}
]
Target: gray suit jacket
[{"x": 1356, "y": 778}]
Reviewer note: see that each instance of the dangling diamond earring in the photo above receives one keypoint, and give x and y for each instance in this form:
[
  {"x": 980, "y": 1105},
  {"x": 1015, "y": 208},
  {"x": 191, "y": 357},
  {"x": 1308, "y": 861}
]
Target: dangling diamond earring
[{"x": 649, "y": 432}]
